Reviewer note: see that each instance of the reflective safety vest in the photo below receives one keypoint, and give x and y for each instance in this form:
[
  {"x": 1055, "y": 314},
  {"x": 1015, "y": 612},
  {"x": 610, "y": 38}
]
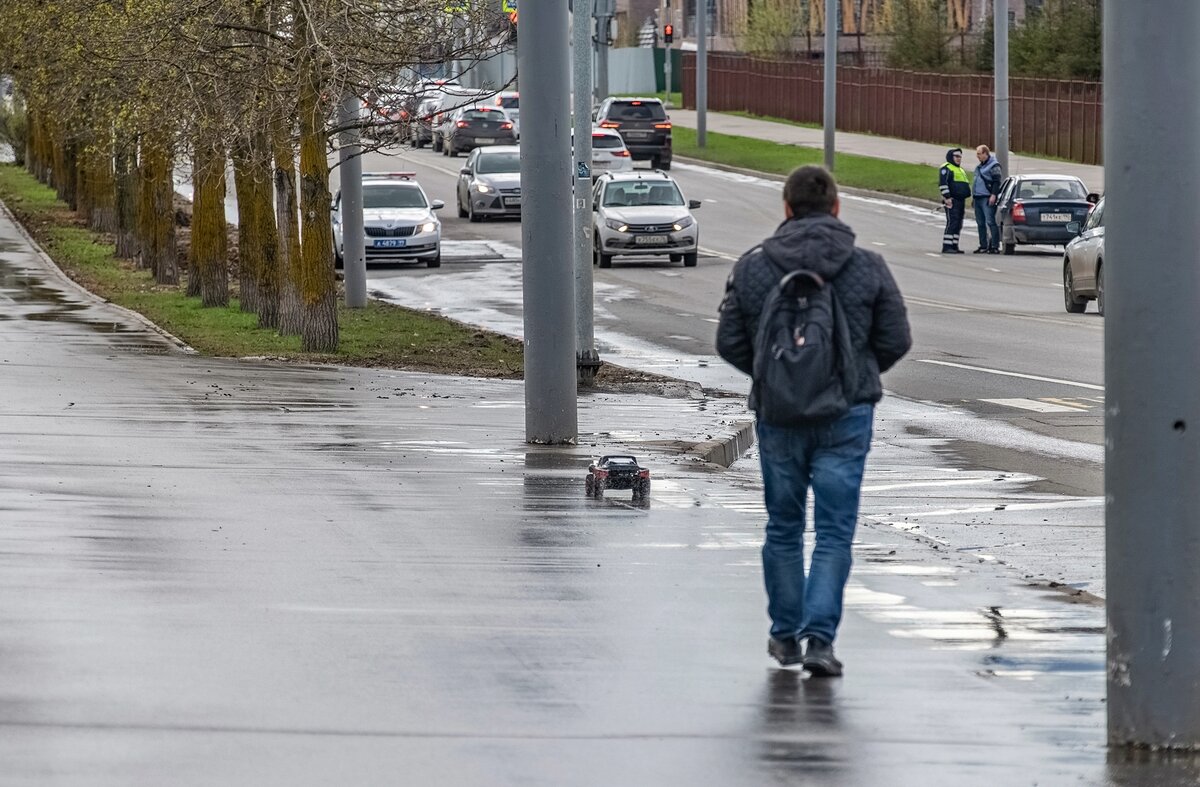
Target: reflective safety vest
[{"x": 958, "y": 176}]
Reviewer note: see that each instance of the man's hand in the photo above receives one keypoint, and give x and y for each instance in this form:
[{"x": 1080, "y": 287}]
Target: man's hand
[
  {"x": 949, "y": 203},
  {"x": 992, "y": 200}
]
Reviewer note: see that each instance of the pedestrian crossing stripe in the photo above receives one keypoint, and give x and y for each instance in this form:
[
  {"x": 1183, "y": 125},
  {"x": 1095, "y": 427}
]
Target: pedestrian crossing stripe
[{"x": 1048, "y": 404}]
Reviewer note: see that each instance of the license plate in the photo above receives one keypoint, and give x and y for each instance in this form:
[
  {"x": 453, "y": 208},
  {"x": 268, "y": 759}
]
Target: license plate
[
  {"x": 637, "y": 134},
  {"x": 484, "y": 140},
  {"x": 1063, "y": 217},
  {"x": 512, "y": 201},
  {"x": 650, "y": 240},
  {"x": 390, "y": 243}
]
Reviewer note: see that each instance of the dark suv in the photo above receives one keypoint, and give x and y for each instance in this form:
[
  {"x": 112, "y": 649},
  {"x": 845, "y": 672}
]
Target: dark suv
[{"x": 643, "y": 124}]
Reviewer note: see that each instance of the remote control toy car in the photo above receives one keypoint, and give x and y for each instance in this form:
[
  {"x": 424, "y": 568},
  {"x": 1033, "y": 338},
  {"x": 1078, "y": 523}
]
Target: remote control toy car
[{"x": 617, "y": 471}]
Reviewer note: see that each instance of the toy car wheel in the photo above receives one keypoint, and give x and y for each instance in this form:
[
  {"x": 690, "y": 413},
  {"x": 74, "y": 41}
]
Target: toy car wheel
[
  {"x": 598, "y": 488},
  {"x": 588, "y": 486},
  {"x": 644, "y": 489}
]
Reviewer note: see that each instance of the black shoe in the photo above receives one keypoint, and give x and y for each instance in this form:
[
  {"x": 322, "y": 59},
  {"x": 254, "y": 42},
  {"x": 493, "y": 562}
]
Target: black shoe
[
  {"x": 819, "y": 659},
  {"x": 981, "y": 250},
  {"x": 785, "y": 651},
  {"x": 955, "y": 251},
  {"x": 993, "y": 251}
]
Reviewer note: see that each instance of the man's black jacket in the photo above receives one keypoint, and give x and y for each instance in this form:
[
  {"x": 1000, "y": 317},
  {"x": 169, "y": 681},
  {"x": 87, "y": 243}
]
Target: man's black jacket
[{"x": 865, "y": 289}]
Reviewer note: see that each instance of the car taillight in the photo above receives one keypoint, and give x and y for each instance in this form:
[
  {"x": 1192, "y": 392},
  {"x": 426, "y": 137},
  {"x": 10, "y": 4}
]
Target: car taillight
[
  {"x": 506, "y": 126},
  {"x": 643, "y": 473},
  {"x": 404, "y": 114},
  {"x": 1018, "y": 213},
  {"x": 621, "y": 153},
  {"x": 601, "y": 474},
  {"x": 609, "y": 124},
  {"x": 461, "y": 124},
  {"x": 662, "y": 125}
]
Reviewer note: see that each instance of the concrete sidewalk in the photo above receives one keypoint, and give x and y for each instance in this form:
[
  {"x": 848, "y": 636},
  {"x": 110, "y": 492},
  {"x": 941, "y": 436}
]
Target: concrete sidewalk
[
  {"x": 234, "y": 572},
  {"x": 881, "y": 147}
]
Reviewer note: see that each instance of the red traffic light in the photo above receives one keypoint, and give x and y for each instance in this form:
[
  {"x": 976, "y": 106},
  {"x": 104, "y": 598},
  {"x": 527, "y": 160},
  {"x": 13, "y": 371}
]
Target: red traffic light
[{"x": 668, "y": 33}]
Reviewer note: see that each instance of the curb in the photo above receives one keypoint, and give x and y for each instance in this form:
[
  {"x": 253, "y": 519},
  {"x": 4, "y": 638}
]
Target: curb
[
  {"x": 857, "y": 192},
  {"x": 727, "y": 449},
  {"x": 54, "y": 270}
]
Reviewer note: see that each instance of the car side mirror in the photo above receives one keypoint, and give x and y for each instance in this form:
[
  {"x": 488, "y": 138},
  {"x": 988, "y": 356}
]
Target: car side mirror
[
  {"x": 437, "y": 204},
  {"x": 1093, "y": 198},
  {"x": 1074, "y": 227},
  {"x": 595, "y": 206},
  {"x": 695, "y": 203},
  {"x": 465, "y": 171}
]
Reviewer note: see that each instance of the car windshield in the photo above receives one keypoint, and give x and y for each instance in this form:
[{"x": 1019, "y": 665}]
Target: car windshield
[
  {"x": 510, "y": 102},
  {"x": 393, "y": 195},
  {"x": 1051, "y": 188},
  {"x": 638, "y": 193},
  {"x": 637, "y": 110},
  {"x": 606, "y": 141},
  {"x": 493, "y": 162},
  {"x": 621, "y": 460}
]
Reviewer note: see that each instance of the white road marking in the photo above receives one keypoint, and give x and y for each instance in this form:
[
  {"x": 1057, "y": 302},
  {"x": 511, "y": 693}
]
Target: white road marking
[
  {"x": 681, "y": 337},
  {"x": 721, "y": 255},
  {"x": 711, "y": 319},
  {"x": 878, "y": 243},
  {"x": 919, "y": 485},
  {"x": 1003, "y": 373},
  {"x": 931, "y": 254},
  {"x": 1035, "y": 405}
]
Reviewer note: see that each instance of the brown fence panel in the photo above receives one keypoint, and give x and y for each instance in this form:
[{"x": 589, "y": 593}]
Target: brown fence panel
[{"x": 1046, "y": 117}]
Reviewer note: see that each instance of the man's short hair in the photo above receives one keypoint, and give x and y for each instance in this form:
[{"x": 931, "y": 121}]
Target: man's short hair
[
  {"x": 810, "y": 190},
  {"x": 983, "y": 149}
]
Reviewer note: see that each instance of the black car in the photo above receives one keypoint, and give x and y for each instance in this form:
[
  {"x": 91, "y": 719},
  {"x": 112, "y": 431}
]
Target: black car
[
  {"x": 1038, "y": 208},
  {"x": 643, "y": 124},
  {"x": 472, "y": 127},
  {"x": 617, "y": 471}
]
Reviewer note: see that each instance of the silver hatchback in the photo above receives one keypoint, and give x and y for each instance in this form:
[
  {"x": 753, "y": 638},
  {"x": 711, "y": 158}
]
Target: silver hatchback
[
  {"x": 643, "y": 213},
  {"x": 1083, "y": 265}
]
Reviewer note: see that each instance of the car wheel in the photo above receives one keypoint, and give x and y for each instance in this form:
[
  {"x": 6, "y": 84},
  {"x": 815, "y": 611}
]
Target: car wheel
[
  {"x": 1100, "y": 289},
  {"x": 656, "y": 163},
  {"x": 1010, "y": 249},
  {"x": 605, "y": 260},
  {"x": 1074, "y": 304},
  {"x": 665, "y": 166},
  {"x": 451, "y": 151},
  {"x": 676, "y": 258},
  {"x": 598, "y": 488},
  {"x": 435, "y": 142},
  {"x": 462, "y": 212},
  {"x": 472, "y": 216},
  {"x": 588, "y": 486},
  {"x": 338, "y": 259},
  {"x": 435, "y": 262},
  {"x": 690, "y": 260}
]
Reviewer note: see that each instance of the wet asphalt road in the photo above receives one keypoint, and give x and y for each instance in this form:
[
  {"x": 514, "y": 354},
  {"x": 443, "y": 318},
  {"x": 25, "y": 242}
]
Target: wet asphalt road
[{"x": 238, "y": 572}]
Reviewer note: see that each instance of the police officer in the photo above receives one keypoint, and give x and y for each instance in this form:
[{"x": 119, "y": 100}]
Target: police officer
[{"x": 955, "y": 188}]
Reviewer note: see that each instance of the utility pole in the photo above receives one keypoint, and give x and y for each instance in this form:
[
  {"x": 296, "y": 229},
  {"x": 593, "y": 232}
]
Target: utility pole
[
  {"x": 587, "y": 361},
  {"x": 831, "y": 54},
  {"x": 604, "y": 14},
  {"x": 354, "y": 253},
  {"x": 1151, "y": 370},
  {"x": 701, "y": 73},
  {"x": 1000, "y": 69},
  {"x": 548, "y": 283}
]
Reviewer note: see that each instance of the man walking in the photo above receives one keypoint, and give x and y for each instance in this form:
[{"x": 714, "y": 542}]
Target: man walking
[
  {"x": 955, "y": 188},
  {"x": 985, "y": 190},
  {"x": 828, "y": 454}
]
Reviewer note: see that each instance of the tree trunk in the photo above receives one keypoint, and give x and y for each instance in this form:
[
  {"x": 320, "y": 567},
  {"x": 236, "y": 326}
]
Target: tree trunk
[
  {"x": 156, "y": 244},
  {"x": 249, "y": 255},
  {"x": 258, "y": 250},
  {"x": 288, "y": 239},
  {"x": 125, "y": 196},
  {"x": 207, "y": 261},
  {"x": 318, "y": 289},
  {"x": 103, "y": 214}
]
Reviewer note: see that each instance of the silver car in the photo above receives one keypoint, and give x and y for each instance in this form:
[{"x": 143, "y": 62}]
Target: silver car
[
  {"x": 1083, "y": 265},
  {"x": 398, "y": 221},
  {"x": 643, "y": 213},
  {"x": 490, "y": 183}
]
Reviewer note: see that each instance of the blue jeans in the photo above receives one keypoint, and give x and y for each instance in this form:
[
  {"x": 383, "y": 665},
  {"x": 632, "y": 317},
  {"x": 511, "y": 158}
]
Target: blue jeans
[
  {"x": 985, "y": 220},
  {"x": 830, "y": 458}
]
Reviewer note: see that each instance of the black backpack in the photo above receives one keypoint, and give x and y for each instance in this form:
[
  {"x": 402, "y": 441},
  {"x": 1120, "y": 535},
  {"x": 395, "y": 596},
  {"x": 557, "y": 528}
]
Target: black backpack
[{"x": 804, "y": 363}]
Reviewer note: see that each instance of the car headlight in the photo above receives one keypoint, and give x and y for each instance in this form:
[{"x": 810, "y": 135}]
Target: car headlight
[
  {"x": 684, "y": 223},
  {"x": 482, "y": 188},
  {"x": 428, "y": 226},
  {"x": 613, "y": 224}
]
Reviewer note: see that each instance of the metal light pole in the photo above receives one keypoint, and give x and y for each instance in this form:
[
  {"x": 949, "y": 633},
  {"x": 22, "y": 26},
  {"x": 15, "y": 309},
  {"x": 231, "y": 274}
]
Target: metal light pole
[
  {"x": 1000, "y": 69},
  {"x": 587, "y": 361},
  {"x": 666, "y": 20},
  {"x": 1152, "y": 373},
  {"x": 604, "y": 12},
  {"x": 354, "y": 254},
  {"x": 829, "y": 114},
  {"x": 701, "y": 73},
  {"x": 548, "y": 282}
]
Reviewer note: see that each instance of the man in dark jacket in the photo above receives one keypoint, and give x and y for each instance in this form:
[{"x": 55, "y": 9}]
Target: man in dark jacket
[
  {"x": 985, "y": 190},
  {"x": 955, "y": 188},
  {"x": 829, "y": 456}
]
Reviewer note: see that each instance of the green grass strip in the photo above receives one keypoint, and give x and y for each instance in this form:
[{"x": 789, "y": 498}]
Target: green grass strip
[
  {"x": 379, "y": 335},
  {"x": 864, "y": 172}
]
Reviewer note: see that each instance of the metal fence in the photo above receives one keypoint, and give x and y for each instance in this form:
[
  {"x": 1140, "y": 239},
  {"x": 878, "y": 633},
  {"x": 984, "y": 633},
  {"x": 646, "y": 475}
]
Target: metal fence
[{"x": 1047, "y": 117}]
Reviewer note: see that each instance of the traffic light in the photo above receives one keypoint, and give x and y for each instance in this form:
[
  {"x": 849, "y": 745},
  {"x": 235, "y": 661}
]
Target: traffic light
[{"x": 668, "y": 33}]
